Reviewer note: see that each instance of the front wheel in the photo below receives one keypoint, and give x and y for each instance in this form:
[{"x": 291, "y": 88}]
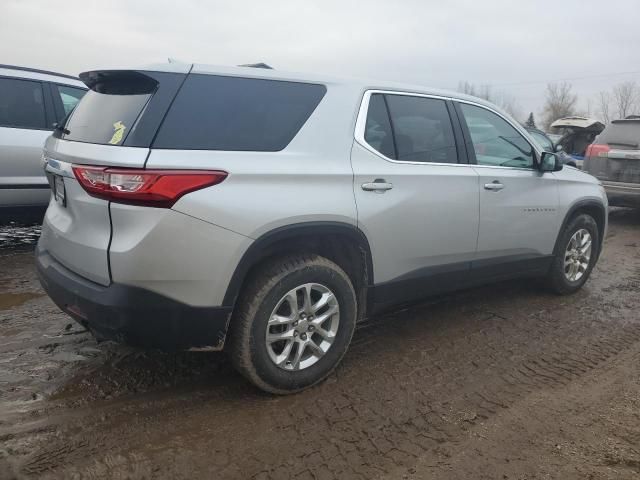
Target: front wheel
[
  {"x": 293, "y": 323},
  {"x": 576, "y": 254}
]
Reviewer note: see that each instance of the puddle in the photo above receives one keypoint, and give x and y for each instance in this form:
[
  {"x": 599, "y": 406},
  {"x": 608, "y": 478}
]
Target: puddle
[
  {"x": 10, "y": 300},
  {"x": 19, "y": 228},
  {"x": 16, "y": 235}
]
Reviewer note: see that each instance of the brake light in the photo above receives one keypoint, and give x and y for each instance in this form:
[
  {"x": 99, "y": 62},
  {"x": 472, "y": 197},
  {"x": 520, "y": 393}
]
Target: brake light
[
  {"x": 154, "y": 188},
  {"x": 597, "y": 150}
]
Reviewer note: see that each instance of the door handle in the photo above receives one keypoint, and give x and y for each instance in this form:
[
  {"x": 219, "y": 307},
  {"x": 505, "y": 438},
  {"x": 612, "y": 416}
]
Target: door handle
[
  {"x": 378, "y": 186},
  {"x": 494, "y": 186}
]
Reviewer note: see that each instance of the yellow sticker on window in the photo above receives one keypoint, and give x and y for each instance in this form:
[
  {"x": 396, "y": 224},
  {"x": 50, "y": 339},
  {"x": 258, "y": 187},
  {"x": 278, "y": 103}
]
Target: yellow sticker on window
[{"x": 118, "y": 133}]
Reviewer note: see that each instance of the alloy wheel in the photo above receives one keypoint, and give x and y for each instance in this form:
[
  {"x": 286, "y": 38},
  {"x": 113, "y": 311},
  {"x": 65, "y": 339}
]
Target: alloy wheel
[
  {"x": 577, "y": 255},
  {"x": 302, "y": 326}
]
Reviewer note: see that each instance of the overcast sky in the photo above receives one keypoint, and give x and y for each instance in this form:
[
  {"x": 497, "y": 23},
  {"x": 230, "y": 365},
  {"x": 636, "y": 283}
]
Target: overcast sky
[{"x": 513, "y": 45}]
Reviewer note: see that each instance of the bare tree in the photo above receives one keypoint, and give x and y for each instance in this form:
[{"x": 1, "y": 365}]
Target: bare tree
[
  {"x": 467, "y": 88},
  {"x": 560, "y": 102},
  {"x": 604, "y": 106},
  {"x": 502, "y": 99},
  {"x": 625, "y": 96}
]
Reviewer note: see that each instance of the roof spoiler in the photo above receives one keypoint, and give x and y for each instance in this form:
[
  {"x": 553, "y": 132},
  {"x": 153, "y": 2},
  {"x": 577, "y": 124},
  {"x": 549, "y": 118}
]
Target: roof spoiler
[{"x": 123, "y": 82}]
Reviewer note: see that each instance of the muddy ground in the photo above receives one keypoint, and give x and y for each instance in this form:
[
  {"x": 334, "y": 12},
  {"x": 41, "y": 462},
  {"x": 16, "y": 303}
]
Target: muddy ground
[{"x": 502, "y": 382}]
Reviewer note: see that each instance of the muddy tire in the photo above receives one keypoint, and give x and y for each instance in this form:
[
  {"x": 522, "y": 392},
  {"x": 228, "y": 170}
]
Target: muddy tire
[
  {"x": 575, "y": 255},
  {"x": 293, "y": 323}
]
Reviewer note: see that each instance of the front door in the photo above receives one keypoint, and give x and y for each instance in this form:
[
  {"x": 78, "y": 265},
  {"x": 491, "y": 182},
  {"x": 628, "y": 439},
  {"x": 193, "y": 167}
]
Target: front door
[
  {"x": 417, "y": 201},
  {"x": 518, "y": 203}
]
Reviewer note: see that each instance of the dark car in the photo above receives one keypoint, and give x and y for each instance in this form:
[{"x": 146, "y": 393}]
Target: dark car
[
  {"x": 577, "y": 134},
  {"x": 614, "y": 158}
]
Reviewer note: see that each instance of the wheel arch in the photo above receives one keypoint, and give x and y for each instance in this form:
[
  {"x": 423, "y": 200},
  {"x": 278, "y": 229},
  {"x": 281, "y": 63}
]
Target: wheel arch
[
  {"x": 595, "y": 209},
  {"x": 326, "y": 238}
]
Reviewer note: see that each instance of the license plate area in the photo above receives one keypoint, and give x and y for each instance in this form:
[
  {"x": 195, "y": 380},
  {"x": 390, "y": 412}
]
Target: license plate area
[{"x": 59, "y": 192}]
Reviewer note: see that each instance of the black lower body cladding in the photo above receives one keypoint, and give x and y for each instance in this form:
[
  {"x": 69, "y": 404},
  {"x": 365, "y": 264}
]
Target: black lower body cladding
[{"x": 132, "y": 315}]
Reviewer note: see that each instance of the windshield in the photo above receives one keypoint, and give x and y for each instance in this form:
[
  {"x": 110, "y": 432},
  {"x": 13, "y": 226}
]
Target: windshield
[{"x": 542, "y": 141}]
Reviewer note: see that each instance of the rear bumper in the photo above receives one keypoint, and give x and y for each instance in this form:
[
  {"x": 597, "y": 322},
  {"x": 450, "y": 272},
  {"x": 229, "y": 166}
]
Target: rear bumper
[
  {"x": 132, "y": 315},
  {"x": 623, "y": 194}
]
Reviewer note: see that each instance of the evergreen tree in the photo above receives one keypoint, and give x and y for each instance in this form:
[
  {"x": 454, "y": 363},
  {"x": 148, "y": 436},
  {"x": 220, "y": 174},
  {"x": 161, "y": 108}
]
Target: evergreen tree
[{"x": 530, "y": 123}]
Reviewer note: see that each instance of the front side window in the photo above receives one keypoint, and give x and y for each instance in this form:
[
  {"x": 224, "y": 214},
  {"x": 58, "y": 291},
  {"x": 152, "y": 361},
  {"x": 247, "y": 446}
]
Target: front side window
[
  {"x": 69, "y": 96},
  {"x": 21, "y": 104},
  {"x": 410, "y": 128},
  {"x": 495, "y": 141}
]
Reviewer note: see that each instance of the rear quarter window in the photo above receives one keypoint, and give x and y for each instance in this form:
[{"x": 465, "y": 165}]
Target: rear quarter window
[{"x": 237, "y": 114}]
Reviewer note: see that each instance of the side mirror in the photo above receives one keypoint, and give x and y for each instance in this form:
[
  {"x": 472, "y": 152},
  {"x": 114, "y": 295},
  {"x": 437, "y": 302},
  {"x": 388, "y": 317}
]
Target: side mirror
[
  {"x": 550, "y": 162},
  {"x": 558, "y": 148}
]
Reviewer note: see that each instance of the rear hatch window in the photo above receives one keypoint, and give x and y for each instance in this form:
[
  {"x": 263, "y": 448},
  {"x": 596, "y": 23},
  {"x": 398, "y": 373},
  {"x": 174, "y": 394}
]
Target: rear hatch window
[
  {"x": 109, "y": 110},
  {"x": 122, "y": 107},
  {"x": 214, "y": 112},
  {"x": 624, "y": 134}
]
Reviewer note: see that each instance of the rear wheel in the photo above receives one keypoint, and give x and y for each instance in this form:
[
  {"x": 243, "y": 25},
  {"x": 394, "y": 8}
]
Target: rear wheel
[
  {"x": 293, "y": 323},
  {"x": 576, "y": 254}
]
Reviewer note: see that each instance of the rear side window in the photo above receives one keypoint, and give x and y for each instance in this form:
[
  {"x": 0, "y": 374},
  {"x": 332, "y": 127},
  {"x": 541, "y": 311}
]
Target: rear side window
[
  {"x": 622, "y": 133},
  {"x": 422, "y": 129},
  {"x": 411, "y": 129},
  {"x": 21, "y": 104},
  {"x": 69, "y": 97},
  {"x": 107, "y": 113},
  {"x": 378, "y": 131},
  {"x": 237, "y": 114}
]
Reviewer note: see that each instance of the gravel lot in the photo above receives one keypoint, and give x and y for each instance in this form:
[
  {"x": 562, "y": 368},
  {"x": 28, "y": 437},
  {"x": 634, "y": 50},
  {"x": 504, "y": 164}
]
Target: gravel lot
[{"x": 506, "y": 381}]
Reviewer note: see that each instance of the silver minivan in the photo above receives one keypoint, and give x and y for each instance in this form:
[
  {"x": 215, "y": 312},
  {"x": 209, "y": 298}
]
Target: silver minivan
[
  {"x": 265, "y": 213},
  {"x": 32, "y": 102}
]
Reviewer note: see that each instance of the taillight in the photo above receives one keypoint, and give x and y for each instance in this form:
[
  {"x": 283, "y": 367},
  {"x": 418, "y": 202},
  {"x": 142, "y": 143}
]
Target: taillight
[
  {"x": 597, "y": 150},
  {"x": 154, "y": 188}
]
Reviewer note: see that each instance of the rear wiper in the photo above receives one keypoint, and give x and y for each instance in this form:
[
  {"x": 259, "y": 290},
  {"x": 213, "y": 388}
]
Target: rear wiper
[{"x": 59, "y": 127}]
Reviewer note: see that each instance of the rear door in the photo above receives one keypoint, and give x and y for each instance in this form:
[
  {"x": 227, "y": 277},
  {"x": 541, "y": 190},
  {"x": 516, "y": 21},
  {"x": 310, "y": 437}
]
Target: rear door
[
  {"x": 113, "y": 125},
  {"x": 417, "y": 198},
  {"x": 23, "y": 130},
  {"x": 518, "y": 204}
]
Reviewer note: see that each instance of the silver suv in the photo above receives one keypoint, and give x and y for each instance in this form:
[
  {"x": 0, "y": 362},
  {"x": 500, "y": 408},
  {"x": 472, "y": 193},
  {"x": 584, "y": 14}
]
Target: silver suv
[
  {"x": 31, "y": 103},
  {"x": 267, "y": 213}
]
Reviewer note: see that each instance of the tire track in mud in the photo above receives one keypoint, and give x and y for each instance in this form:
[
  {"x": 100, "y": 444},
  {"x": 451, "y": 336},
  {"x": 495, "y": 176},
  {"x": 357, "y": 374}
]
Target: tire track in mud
[
  {"x": 432, "y": 428},
  {"x": 414, "y": 387},
  {"x": 368, "y": 433}
]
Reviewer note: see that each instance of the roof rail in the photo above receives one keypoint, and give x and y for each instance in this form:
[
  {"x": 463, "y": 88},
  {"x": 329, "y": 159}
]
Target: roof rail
[
  {"x": 35, "y": 70},
  {"x": 257, "y": 65}
]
